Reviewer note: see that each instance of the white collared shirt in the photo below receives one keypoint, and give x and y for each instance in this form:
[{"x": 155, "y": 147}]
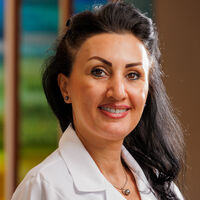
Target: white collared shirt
[{"x": 70, "y": 173}]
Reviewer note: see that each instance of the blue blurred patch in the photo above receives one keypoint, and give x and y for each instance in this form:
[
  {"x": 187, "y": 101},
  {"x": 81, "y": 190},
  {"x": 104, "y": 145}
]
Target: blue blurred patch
[
  {"x": 40, "y": 18},
  {"x": 1, "y": 18},
  {"x": 144, "y": 5},
  {"x": 1, "y": 29},
  {"x": 81, "y": 5}
]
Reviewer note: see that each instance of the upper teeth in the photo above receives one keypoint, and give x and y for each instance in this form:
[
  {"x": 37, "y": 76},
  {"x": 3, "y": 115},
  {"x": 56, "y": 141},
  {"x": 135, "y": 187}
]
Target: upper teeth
[{"x": 113, "y": 110}]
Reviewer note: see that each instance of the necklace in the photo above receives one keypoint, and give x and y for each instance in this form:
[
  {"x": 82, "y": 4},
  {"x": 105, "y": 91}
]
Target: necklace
[{"x": 122, "y": 189}]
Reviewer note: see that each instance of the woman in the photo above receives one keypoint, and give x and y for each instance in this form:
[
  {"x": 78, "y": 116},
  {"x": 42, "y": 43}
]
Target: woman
[{"x": 121, "y": 139}]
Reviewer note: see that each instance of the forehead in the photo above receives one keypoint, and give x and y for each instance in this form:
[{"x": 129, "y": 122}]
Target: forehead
[{"x": 113, "y": 46}]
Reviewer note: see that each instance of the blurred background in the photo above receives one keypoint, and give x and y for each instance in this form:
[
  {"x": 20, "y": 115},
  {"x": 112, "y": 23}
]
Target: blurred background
[{"x": 179, "y": 29}]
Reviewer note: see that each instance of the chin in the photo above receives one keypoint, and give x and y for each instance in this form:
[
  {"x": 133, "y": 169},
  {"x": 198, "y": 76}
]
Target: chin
[{"x": 116, "y": 132}]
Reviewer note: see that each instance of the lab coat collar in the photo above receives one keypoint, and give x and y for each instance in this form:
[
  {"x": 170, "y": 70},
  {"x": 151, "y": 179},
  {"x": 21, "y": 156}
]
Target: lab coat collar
[
  {"x": 85, "y": 173},
  {"x": 146, "y": 191}
]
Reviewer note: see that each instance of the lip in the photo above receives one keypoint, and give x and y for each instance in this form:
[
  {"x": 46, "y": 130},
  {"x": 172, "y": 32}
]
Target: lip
[{"x": 114, "y": 106}]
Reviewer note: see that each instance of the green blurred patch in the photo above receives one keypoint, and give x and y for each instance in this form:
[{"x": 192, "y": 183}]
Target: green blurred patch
[
  {"x": 1, "y": 174},
  {"x": 1, "y": 107},
  {"x": 1, "y": 135},
  {"x": 30, "y": 74},
  {"x": 30, "y": 157},
  {"x": 1, "y": 130},
  {"x": 1, "y": 161},
  {"x": 38, "y": 124}
]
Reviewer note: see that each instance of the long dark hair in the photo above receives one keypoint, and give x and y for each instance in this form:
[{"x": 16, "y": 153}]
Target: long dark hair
[{"x": 157, "y": 141}]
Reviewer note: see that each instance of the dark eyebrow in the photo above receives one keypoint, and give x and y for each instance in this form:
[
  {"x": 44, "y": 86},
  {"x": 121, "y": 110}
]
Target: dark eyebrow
[
  {"x": 110, "y": 64},
  {"x": 102, "y": 60},
  {"x": 133, "y": 64}
]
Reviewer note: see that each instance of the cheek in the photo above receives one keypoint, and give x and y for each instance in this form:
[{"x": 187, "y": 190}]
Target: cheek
[
  {"x": 87, "y": 94},
  {"x": 138, "y": 96}
]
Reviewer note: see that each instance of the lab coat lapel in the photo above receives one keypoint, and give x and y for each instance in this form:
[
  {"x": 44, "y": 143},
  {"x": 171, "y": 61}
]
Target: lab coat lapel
[
  {"x": 85, "y": 173},
  {"x": 141, "y": 180}
]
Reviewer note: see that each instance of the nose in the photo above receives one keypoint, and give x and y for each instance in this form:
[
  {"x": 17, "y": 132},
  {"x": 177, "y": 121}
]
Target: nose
[{"x": 116, "y": 89}]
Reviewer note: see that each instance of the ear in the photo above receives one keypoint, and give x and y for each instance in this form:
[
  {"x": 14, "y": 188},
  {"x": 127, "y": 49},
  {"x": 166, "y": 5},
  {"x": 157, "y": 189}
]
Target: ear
[{"x": 63, "y": 85}]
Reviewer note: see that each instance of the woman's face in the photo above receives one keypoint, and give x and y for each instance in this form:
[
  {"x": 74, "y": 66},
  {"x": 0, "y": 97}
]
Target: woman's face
[{"x": 108, "y": 85}]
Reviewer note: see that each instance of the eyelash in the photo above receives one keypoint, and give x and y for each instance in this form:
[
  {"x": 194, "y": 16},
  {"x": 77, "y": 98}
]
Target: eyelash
[
  {"x": 95, "y": 72},
  {"x": 135, "y": 74}
]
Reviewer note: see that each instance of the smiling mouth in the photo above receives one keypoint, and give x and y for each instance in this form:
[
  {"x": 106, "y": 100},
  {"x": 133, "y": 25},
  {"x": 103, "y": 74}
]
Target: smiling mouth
[{"x": 113, "y": 110}]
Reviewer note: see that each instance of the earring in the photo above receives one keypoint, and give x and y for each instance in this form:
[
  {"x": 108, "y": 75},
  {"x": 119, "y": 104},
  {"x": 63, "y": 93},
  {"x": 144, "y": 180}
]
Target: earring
[{"x": 66, "y": 98}]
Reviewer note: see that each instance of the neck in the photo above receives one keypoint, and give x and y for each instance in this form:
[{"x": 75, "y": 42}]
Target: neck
[{"x": 107, "y": 156}]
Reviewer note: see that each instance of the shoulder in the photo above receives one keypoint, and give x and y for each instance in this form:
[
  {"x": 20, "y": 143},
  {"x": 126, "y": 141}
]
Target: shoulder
[{"x": 48, "y": 179}]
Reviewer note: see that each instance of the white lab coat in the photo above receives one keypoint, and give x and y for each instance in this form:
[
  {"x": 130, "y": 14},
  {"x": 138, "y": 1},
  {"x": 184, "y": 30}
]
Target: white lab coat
[{"x": 70, "y": 173}]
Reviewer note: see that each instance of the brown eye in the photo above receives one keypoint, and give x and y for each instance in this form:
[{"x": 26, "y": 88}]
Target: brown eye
[
  {"x": 133, "y": 76},
  {"x": 98, "y": 72}
]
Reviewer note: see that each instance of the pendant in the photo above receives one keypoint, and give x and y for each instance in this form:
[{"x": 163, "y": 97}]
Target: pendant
[{"x": 126, "y": 192}]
